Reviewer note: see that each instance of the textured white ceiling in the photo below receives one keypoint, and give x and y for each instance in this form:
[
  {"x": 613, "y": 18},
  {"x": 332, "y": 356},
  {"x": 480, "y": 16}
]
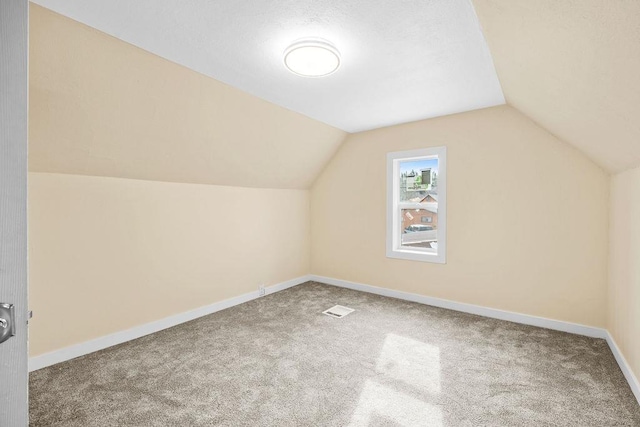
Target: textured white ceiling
[
  {"x": 573, "y": 66},
  {"x": 401, "y": 61}
]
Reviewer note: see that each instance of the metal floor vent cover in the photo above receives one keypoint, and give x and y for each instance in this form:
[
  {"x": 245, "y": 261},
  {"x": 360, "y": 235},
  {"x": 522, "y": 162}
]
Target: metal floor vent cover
[{"x": 338, "y": 311}]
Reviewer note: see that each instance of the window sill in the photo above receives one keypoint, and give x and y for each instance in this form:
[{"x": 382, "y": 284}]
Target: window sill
[{"x": 408, "y": 254}]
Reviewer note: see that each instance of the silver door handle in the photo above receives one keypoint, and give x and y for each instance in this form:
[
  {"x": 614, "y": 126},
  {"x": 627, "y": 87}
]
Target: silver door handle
[{"x": 7, "y": 322}]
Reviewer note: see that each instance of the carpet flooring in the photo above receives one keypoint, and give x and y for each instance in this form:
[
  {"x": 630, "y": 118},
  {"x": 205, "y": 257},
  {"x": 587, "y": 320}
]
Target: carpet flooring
[{"x": 277, "y": 361}]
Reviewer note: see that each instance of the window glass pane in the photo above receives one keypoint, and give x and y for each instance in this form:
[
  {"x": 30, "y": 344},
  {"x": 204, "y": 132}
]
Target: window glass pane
[
  {"x": 418, "y": 181},
  {"x": 416, "y": 205},
  {"x": 418, "y": 227}
]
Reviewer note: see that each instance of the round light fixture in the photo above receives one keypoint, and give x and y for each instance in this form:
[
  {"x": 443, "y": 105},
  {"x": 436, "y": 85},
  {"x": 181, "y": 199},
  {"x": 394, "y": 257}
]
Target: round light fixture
[{"x": 312, "y": 58}]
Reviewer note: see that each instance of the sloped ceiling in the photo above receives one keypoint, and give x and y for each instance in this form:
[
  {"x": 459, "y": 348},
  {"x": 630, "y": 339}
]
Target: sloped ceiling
[
  {"x": 570, "y": 65},
  {"x": 401, "y": 60},
  {"x": 100, "y": 106},
  {"x": 573, "y": 66}
]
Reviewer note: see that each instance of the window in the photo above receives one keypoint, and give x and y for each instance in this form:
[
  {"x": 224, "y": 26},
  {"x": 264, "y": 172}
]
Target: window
[{"x": 417, "y": 205}]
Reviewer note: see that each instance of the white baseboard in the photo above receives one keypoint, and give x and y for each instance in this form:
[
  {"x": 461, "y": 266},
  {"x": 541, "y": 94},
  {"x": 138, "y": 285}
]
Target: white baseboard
[
  {"x": 494, "y": 313},
  {"x": 624, "y": 367},
  {"x": 91, "y": 346},
  {"x": 67, "y": 353},
  {"x": 525, "y": 319}
]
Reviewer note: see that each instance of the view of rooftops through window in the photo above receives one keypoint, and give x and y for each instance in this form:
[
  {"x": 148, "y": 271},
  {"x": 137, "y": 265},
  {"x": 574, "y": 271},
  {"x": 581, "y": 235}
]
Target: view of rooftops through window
[{"x": 419, "y": 185}]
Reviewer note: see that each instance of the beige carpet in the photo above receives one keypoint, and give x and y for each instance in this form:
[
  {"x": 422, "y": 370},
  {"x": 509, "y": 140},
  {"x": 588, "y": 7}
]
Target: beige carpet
[{"x": 277, "y": 361}]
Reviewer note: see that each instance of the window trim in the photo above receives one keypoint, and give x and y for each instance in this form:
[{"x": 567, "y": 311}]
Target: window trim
[{"x": 394, "y": 250}]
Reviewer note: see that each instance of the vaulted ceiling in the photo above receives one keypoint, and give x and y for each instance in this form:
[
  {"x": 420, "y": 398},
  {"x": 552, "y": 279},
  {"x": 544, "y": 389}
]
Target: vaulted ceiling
[
  {"x": 573, "y": 66},
  {"x": 570, "y": 65},
  {"x": 401, "y": 61},
  {"x": 99, "y": 106}
]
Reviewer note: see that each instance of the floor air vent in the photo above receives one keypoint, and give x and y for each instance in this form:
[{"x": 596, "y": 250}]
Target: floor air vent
[{"x": 338, "y": 311}]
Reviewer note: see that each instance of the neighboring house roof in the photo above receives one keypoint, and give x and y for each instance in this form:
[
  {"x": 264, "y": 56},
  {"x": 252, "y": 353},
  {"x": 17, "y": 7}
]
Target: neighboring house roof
[
  {"x": 431, "y": 207},
  {"x": 433, "y": 196}
]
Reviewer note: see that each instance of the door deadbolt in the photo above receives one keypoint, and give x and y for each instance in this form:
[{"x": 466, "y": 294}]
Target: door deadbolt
[{"x": 7, "y": 322}]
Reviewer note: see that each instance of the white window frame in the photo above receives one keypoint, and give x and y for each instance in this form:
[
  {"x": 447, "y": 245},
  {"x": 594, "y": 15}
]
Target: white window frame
[{"x": 394, "y": 233}]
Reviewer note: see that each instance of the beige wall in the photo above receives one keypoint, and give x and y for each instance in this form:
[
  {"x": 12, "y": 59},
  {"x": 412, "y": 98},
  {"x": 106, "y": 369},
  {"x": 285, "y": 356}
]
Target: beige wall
[
  {"x": 624, "y": 266},
  {"x": 99, "y": 106},
  {"x": 535, "y": 244},
  {"x": 573, "y": 67},
  {"x": 107, "y": 254},
  {"x": 527, "y": 217}
]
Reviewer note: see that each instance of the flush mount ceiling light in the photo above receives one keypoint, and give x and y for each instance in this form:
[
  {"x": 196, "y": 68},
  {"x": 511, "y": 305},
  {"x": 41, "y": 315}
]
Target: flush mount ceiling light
[{"x": 312, "y": 58}]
